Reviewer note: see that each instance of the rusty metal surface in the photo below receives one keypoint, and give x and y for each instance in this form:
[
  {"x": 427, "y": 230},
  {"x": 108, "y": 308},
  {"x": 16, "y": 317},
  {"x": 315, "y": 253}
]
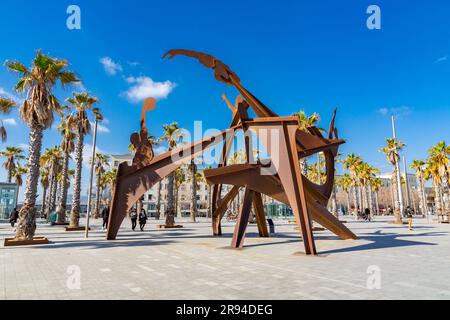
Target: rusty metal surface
[{"x": 307, "y": 199}]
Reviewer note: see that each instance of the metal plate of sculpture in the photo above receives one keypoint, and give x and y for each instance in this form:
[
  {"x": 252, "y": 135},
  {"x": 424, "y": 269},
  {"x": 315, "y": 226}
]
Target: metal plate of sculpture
[{"x": 287, "y": 185}]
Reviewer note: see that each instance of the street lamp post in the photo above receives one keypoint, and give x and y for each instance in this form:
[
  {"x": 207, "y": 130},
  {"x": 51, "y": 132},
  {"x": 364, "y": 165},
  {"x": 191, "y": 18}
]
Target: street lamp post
[
  {"x": 408, "y": 196},
  {"x": 88, "y": 213}
]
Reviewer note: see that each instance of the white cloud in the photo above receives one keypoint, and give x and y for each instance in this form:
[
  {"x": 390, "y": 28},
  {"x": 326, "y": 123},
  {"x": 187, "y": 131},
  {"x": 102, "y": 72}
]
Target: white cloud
[
  {"x": 87, "y": 154},
  {"x": 133, "y": 63},
  {"x": 383, "y": 111},
  {"x": 442, "y": 59},
  {"x": 103, "y": 129},
  {"x": 145, "y": 87},
  {"x": 23, "y": 146},
  {"x": 399, "y": 112},
  {"x": 110, "y": 66},
  {"x": 10, "y": 122}
]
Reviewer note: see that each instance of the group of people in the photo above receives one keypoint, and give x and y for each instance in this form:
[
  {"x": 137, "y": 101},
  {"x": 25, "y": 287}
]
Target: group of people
[{"x": 142, "y": 216}]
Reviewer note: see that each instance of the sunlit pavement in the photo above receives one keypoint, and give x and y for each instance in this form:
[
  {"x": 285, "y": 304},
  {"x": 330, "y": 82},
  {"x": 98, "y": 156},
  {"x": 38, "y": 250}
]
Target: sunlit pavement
[{"x": 190, "y": 264}]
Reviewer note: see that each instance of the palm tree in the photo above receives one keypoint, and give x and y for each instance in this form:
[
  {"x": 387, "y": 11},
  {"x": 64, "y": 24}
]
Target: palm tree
[
  {"x": 101, "y": 161},
  {"x": 376, "y": 185},
  {"x": 352, "y": 163},
  {"x": 391, "y": 151},
  {"x": 194, "y": 186},
  {"x": 12, "y": 155},
  {"x": 6, "y": 105},
  {"x": 110, "y": 178},
  {"x": 438, "y": 154},
  {"x": 346, "y": 182},
  {"x": 172, "y": 135},
  {"x": 67, "y": 146},
  {"x": 419, "y": 167},
  {"x": 79, "y": 121},
  {"x": 432, "y": 172},
  {"x": 52, "y": 160},
  {"x": 180, "y": 179},
  {"x": 37, "y": 112},
  {"x": 17, "y": 174},
  {"x": 45, "y": 183},
  {"x": 305, "y": 122}
]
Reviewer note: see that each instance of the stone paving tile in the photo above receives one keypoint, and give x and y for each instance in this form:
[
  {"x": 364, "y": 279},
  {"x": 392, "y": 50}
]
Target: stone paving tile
[{"x": 190, "y": 264}]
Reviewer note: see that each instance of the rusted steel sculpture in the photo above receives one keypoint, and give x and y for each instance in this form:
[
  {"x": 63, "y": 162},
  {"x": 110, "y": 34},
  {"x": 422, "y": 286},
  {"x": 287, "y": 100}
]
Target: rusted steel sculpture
[{"x": 286, "y": 184}]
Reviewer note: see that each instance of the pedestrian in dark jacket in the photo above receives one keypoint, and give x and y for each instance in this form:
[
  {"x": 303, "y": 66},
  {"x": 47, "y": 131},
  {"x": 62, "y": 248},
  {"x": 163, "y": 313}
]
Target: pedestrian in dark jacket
[
  {"x": 105, "y": 215},
  {"x": 142, "y": 219},
  {"x": 14, "y": 216},
  {"x": 134, "y": 217}
]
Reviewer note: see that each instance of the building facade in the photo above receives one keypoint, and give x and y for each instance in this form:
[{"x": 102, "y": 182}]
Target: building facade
[{"x": 9, "y": 193}]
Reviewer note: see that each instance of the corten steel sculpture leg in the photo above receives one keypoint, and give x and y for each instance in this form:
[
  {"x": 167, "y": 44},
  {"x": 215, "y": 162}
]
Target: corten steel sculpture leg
[
  {"x": 258, "y": 207},
  {"x": 242, "y": 221}
]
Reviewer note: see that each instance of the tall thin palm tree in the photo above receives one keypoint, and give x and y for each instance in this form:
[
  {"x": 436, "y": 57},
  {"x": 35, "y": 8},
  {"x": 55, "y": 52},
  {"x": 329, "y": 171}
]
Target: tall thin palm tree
[
  {"x": 172, "y": 136},
  {"x": 376, "y": 185},
  {"x": 439, "y": 156},
  {"x": 18, "y": 173},
  {"x": 101, "y": 161},
  {"x": 12, "y": 155},
  {"x": 194, "y": 186},
  {"x": 345, "y": 183},
  {"x": 45, "y": 183},
  {"x": 37, "y": 111},
  {"x": 352, "y": 163},
  {"x": 180, "y": 179},
  {"x": 52, "y": 160},
  {"x": 391, "y": 150},
  {"x": 82, "y": 103},
  {"x": 67, "y": 146},
  {"x": 419, "y": 167},
  {"x": 6, "y": 105},
  {"x": 432, "y": 171}
]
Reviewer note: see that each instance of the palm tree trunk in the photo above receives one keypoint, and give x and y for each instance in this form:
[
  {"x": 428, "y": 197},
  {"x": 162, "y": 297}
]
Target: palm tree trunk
[
  {"x": 158, "y": 202},
  {"x": 209, "y": 201},
  {"x": 355, "y": 197},
  {"x": 9, "y": 178},
  {"x": 170, "y": 211},
  {"x": 76, "y": 205},
  {"x": 54, "y": 192},
  {"x": 334, "y": 210},
  {"x": 377, "y": 204},
  {"x": 348, "y": 203},
  {"x": 44, "y": 202},
  {"x": 97, "y": 198},
  {"x": 27, "y": 217},
  {"x": 62, "y": 206},
  {"x": 193, "y": 192}
]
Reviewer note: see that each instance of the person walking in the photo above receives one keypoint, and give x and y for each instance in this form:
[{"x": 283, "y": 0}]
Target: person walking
[
  {"x": 142, "y": 219},
  {"x": 13, "y": 217},
  {"x": 105, "y": 215},
  {"x": 409, "y": 213},
  {"x": 134, "y": 217}
]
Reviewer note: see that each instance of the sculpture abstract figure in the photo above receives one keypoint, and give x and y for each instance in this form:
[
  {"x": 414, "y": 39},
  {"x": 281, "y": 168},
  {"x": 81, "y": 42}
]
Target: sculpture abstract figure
[{"x": 286, "y": 145}]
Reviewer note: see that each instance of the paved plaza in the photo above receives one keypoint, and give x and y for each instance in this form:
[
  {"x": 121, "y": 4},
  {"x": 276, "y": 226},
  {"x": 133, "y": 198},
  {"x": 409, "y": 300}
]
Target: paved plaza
[{"x": 190, "y": 264}]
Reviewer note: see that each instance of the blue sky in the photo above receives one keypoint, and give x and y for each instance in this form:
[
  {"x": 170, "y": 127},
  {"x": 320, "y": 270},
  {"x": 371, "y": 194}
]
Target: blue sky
[{"x": 311, "y": 55}]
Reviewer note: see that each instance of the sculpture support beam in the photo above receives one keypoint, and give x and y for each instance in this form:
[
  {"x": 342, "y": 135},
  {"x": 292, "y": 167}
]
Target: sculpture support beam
[{"x": 242, "y": 222}]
